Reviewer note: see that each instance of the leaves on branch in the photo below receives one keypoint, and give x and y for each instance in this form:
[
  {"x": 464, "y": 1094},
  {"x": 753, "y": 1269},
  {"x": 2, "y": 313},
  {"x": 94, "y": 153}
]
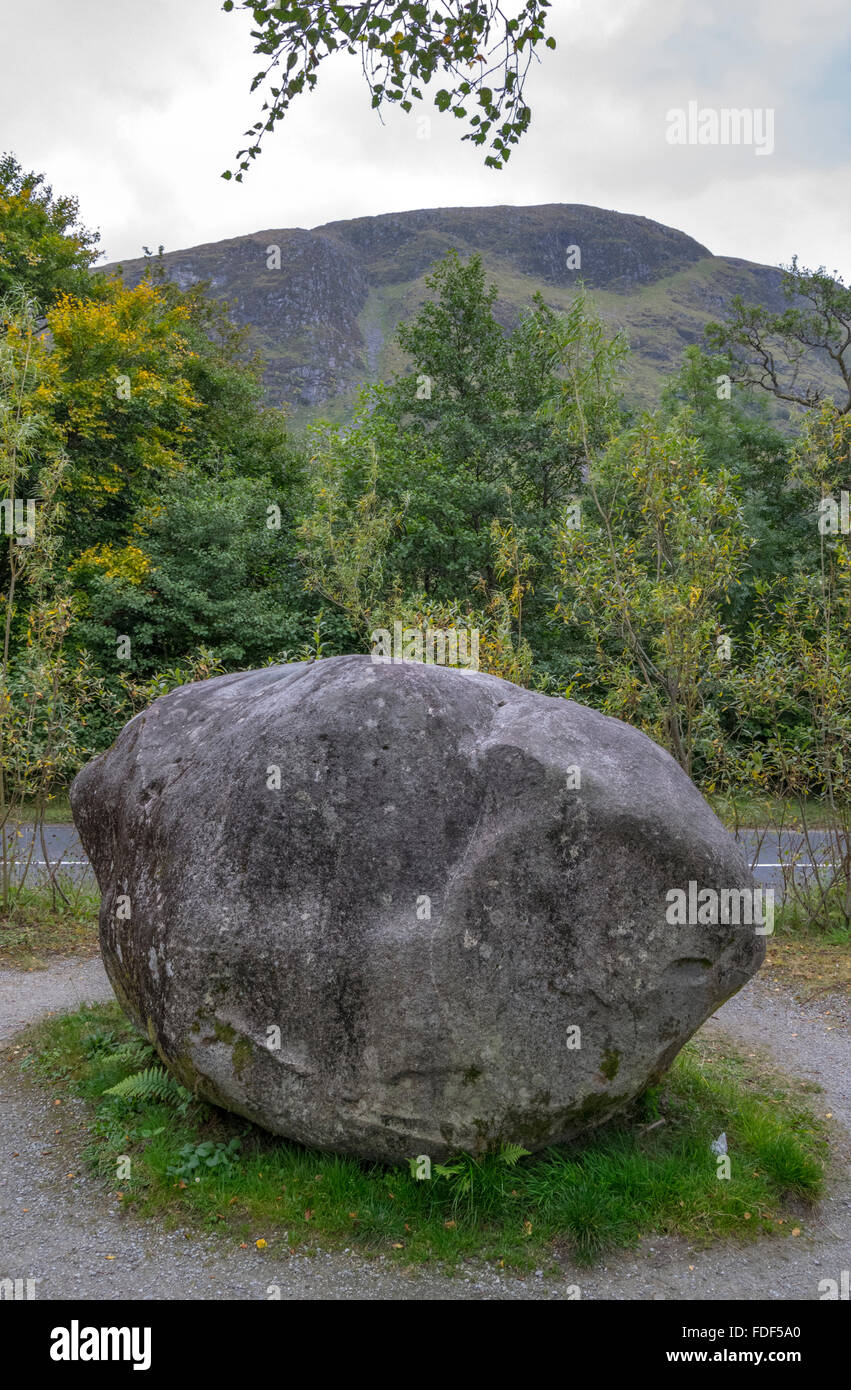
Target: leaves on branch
[
  {"x": 474, "y": 44},
  {"x": 778, "y": 352}
]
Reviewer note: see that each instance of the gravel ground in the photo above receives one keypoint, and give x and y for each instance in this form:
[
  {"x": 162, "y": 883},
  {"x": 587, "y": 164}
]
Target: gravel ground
[
  {"x": 59, "y": 1226},
  {"x": 61, "y": 988}
]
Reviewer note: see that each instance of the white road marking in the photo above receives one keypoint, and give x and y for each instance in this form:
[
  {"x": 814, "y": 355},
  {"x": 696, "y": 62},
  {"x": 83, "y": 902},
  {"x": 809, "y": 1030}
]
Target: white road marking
[{"x": 800, "y": 864}]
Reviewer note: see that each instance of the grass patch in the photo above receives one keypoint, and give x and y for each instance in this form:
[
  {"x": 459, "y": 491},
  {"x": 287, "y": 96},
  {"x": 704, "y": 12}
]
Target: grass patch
[
  {"x": 809, "y": 966},
  {"x": 810, "y": 951},
  {"x": 807, "y": 912},
  {"x": 773, "y": 813},
  {"x": 39, "y": 925},
  {"x": 192, "y": 1163},
  {"x": 57, "y": 811}
]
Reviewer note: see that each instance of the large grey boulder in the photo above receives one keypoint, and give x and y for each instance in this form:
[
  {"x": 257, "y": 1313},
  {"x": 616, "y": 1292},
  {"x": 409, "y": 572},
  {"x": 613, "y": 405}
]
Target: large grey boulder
[{"x": 397, "y": 910}]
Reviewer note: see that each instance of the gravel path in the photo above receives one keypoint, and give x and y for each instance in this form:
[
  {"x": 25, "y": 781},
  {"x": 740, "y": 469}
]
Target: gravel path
[
  {"x": 61, "y": 988},
  {"x": 60, "y": 1226}
]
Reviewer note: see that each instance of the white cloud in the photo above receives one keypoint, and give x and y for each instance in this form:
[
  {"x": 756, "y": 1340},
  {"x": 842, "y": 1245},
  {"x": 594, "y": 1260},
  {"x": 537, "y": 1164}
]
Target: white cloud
[{"x": 138, "y": 109}]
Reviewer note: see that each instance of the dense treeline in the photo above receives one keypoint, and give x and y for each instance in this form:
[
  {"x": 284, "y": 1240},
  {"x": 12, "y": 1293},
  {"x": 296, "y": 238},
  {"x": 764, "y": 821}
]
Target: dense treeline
[{"x": 686, "y": 569}]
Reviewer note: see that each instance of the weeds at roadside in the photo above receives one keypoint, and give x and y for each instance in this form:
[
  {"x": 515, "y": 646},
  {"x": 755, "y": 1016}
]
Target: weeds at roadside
[{"x": 40, "y": 924}]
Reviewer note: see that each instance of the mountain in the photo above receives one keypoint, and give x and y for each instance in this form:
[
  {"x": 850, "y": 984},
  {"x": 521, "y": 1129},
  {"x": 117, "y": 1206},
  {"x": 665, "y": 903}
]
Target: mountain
[{"x": 324, "y": 319}]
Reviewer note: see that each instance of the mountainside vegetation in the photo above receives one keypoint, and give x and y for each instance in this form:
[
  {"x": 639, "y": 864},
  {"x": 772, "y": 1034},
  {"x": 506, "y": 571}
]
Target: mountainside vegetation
[{"x": 323, "y": 306}]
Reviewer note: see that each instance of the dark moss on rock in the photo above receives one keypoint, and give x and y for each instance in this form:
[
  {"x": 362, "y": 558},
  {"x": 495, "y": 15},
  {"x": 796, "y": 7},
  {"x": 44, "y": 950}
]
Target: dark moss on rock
[{"x": 610, "y": 1063}]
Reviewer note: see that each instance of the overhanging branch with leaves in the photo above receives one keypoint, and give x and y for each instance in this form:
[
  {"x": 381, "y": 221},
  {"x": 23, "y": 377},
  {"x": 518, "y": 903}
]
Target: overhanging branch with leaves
[{"x": 482, "y": 49}]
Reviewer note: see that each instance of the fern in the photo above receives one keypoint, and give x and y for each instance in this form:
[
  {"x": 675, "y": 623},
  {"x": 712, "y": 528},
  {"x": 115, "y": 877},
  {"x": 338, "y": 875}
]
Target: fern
[
  {"x": 463, "y": 1170},
  {"x": 474, "y": 1184},
  {"x": 134, "y": 1053},
  {"x": 152, "y": 1084},
  {"x": 511, "y": 1154},
  {"x": 460, "y": 1175},
  {"x": 99, "y": 1042}
]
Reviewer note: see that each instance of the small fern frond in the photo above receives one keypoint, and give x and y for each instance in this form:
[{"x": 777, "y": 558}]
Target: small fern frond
[
  {"x": 511, "y": 1154},
  {"x": 152, "y": 1084},
  {"x": 134, "y": 1053}
]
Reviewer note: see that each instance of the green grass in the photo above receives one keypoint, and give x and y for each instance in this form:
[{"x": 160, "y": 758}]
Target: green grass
[
  {"x": 806, "y": 910},
  {"x": 772, "y": 813},
  {"x": 56, "y": 812},
  {"x": 191, "y": 1163},
  {"x": 38, "y": 925}
]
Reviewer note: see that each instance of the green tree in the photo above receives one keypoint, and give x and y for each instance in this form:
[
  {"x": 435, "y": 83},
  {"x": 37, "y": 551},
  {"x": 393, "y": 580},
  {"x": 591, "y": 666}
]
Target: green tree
[
  {"x": 485, "y": 413},
  {"x": 170, "y": 467},
  {"x": 439, "y": 501},
  {"x": 737, "y": 435},
  {"x": 43, "y": 691},
  {"x": 43, "y": 249},
  {"x": 204, "y": 568},
  {"x": 791, "y": 691},
  {"x": 347, "y": 540},
  {"x": 646, "y": 578},
  {"x": 789, "y": 354}
]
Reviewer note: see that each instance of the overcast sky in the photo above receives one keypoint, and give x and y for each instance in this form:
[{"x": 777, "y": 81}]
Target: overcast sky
[{"x": 138, "y": 107}]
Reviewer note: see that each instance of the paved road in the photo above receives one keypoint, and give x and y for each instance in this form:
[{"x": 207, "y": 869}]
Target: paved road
[
  {"x": 62, "y": 842},
  {"x": 767, "y": 850},
  {"x": 771, "y": 854},
  {"x": 64, "y": 851}
]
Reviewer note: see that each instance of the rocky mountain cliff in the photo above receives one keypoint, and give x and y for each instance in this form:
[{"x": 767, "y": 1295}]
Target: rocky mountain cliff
[{"x": 323, "y": 304}]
